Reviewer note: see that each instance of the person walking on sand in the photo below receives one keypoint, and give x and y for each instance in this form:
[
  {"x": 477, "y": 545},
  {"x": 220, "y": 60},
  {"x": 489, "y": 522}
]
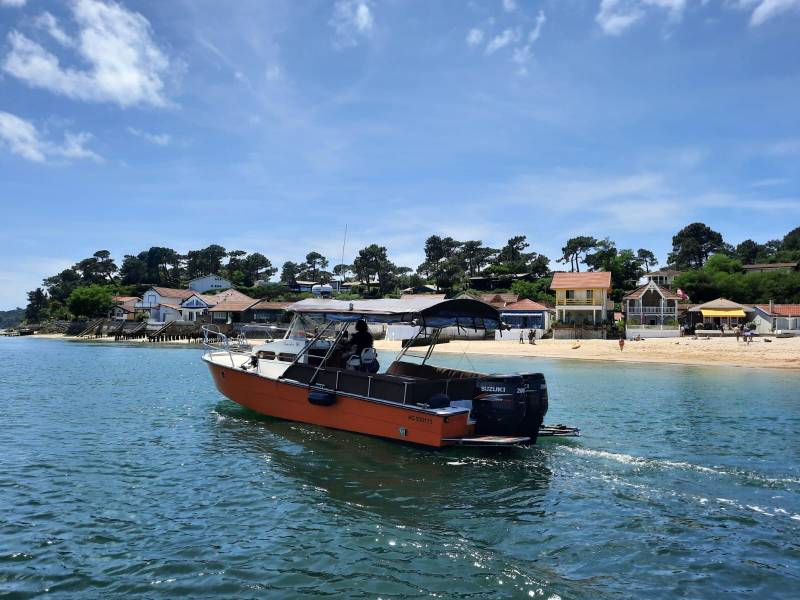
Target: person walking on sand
[
  {"x": 521, "y": 337},
  {"x": 531, "y": 337},
  {"x": 736, "y": 333},
  {"x": 621, "y": 341}
]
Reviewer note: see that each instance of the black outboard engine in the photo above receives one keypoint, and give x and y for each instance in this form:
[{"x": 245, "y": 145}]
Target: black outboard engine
[{"x": 511, "y": 405}]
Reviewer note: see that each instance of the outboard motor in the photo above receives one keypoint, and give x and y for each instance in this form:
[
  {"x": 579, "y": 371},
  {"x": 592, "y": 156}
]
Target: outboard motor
[{"x": 512, "y": 405}]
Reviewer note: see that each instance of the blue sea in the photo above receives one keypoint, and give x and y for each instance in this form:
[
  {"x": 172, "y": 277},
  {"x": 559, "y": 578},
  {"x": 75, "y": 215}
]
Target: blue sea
[{"x": 124, "y": 473}]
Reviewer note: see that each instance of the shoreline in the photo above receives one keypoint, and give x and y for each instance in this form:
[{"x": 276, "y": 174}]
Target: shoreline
[{"x": 782, "y": 353}]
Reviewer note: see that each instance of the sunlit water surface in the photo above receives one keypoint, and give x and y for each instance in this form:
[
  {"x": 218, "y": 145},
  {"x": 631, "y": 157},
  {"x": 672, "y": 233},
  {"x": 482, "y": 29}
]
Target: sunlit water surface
[{"x": 124, "y": 472}]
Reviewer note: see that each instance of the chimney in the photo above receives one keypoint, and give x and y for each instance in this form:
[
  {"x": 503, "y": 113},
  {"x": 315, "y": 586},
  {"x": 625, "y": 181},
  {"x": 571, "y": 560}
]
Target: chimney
[{"x": 771, "y": 307}]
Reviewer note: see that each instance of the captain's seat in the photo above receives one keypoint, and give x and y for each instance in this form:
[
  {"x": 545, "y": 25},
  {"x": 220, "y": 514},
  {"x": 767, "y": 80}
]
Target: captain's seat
[{"x": 368, "y": 361}]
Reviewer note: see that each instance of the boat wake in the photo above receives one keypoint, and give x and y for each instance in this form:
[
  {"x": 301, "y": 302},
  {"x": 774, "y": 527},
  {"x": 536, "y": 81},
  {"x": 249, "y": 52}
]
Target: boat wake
[{"x": 656, "y": 463}]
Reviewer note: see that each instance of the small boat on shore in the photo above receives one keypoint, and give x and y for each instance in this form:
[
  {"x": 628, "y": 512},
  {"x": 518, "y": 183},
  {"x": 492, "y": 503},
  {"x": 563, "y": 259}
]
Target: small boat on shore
[{"x": 308, "y": 377}]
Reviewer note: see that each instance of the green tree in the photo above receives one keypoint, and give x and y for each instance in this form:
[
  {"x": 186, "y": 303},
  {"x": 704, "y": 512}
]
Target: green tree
[
  {"x": 314, "y": 264},
  {"x": 134, "y": 270},
  {"x": 37, "y": 306},
  {"x": 206, "y": 261},
  {"x": 475, "y": 256},
  {"x": 575, "y": 251},
  {"x": 647, "y": 258},
  {"x": 791, "y": 241},
  {"x": 60, "y": 286},
  {"x": 90, "y": 301},
  {"x": 289, "y": 272},
  {"x": 371, "y": 264},
  {"x": 693, "y": 244},
  {"x": 748, "y": 251},
  {"x": 257, "y": 266}
]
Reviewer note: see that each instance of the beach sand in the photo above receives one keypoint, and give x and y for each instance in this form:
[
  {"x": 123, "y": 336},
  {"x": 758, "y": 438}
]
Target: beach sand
[{"x": 780, "y": 353}]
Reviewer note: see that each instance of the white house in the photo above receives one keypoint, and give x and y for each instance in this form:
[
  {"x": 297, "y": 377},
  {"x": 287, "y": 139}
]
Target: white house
[
  {"x": 777, "y": 318},
  {"x": 209, "y": 282},
  {"x": 164, "y": 303},
  {"x": 651, "y": 310}
]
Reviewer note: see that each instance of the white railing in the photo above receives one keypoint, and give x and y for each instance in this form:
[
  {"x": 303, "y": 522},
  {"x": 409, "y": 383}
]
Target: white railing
[
  {"x": 660, "y": 327},
  {"x": 652, "y": 310}
]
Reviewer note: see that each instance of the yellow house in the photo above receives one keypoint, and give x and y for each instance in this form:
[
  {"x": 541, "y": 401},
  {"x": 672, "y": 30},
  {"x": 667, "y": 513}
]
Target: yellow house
[{"x": 581, "y": 297}]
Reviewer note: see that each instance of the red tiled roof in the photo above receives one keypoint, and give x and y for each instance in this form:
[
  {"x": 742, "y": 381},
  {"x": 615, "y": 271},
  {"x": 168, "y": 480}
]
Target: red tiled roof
[
  {"x": 126, "y": 299},
  {"x": 264, "y": 305},
  {"x": 639, "y": 292},
  {"x": 577, "y": 281},
  {"x": 166, "y": 292},
  {"x": 524, "y": 304},
  {"x": 781, "y": 310},
  {"x": 172, "y": 306},
  {"x": 499, "y": 300},
  {"x": 234, "y": 305}
]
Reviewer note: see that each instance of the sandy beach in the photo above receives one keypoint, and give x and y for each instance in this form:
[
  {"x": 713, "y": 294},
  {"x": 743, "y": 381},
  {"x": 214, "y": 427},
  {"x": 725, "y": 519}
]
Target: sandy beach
[
  {"x": 779, "y": 353},
  {"x": 783, "y": 353}
]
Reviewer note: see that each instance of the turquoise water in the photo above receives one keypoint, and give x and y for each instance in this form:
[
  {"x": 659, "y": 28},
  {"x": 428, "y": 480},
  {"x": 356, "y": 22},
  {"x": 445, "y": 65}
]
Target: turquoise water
[{"x": 124, "y": 472}]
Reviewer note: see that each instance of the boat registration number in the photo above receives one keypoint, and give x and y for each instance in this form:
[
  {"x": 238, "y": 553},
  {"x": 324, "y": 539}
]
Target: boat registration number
[{"x": 417, "y": 419}]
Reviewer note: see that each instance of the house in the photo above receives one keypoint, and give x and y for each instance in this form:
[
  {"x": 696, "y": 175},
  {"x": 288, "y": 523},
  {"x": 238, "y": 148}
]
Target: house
[
  {"x": 163, "y": 304},
  {"x": 300, "y": 287},
  {"x": 125, "y": 308},
  {"x": 233, "y": 310},
  {"x": 268, "y": 312},
  {"x": 718, "y": 312},
  {"x": 664, "y": 277},
  {"x": 581, "y": 297},
  {"x": 522, "y": 316},
  {"x": 423, "y": 296},
  {"x": 770, "y": 267},
  {"x": 651, "y": 310},
  {"x": 777, "y": 318},
  {"x": 210, "y": 282},
  {"x": 494, "y": 282},
  {"x": 499, "y": 300},
  {"x": 418, "y": 290}
]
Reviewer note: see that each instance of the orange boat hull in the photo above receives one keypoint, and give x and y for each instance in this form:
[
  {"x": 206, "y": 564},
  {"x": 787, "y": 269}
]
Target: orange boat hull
[{"x": 290, "y": 401}]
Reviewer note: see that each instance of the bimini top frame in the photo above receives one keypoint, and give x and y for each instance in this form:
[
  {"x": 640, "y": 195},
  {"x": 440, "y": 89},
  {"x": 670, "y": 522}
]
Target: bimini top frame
[{"x": 466, "y": 313}]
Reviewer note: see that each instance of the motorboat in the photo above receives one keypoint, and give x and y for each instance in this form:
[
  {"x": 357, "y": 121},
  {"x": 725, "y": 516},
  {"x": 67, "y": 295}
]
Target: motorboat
[{"x": 311, "y": 375}]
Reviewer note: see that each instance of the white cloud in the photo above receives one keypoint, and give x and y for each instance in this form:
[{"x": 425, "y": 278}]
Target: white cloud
[
  {"x": 769, "y": 9},
  {"x": 502, "y": 40},
  {"x": 522, "y": 55},
  {"x": 48, "y": 23},
  {"x": 22, "y": 138},
  {"x": 509, "y": 5},
  {"x": 125, "y": 65},
  {"x": 351, "y": 20},
  {"x": 159, "y": 139},
  {"x": 614, "y": 19},
  {"x": 272, "y": 73},
  {"x": 615, "y": 16},
  {"x": 15, "y": 3},
  {"x": 474, "y": 37},
  {"x": 537, "y": 29}
]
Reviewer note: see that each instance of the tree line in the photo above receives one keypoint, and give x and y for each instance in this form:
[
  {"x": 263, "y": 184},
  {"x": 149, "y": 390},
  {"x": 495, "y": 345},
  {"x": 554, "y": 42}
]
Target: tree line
[{"x": 711, "y": 267}]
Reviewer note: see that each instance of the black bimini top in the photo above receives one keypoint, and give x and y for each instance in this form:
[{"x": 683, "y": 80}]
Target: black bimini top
[{"x": 472, "y": 314}]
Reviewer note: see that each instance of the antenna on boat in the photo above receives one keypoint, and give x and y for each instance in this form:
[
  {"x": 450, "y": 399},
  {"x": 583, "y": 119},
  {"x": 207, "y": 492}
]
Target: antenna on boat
[{"x": 344, "y": 241}]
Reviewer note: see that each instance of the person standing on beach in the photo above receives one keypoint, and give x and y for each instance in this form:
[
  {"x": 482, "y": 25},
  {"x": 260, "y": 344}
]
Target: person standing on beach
[
  {"x": 521, "y": 337},
  {"x": 736, "y": 333},
  {"x": 621, "y": 341},
  {"x": 531, "y": 337}
]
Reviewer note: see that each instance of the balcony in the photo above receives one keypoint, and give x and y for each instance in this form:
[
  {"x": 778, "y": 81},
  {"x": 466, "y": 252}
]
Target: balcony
[
  {"x": 651, "y": 310},
  {"x": 563, "y": 301}
]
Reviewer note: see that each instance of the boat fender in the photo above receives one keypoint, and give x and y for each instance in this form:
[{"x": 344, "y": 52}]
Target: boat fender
[{"x": 321, "y": 397}]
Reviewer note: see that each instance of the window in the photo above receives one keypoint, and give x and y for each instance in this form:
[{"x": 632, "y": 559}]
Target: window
[
  {"x": 570, "y": 294},
  {"x": 589, "y": 296}
]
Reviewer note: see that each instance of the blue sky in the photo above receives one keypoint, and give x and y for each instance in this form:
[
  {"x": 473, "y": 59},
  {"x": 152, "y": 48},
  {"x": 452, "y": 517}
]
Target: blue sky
[{"x": 266, "y": 126}]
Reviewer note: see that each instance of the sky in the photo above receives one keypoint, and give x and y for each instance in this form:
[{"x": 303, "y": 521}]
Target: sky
[{"x": 270, "y": 125}]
